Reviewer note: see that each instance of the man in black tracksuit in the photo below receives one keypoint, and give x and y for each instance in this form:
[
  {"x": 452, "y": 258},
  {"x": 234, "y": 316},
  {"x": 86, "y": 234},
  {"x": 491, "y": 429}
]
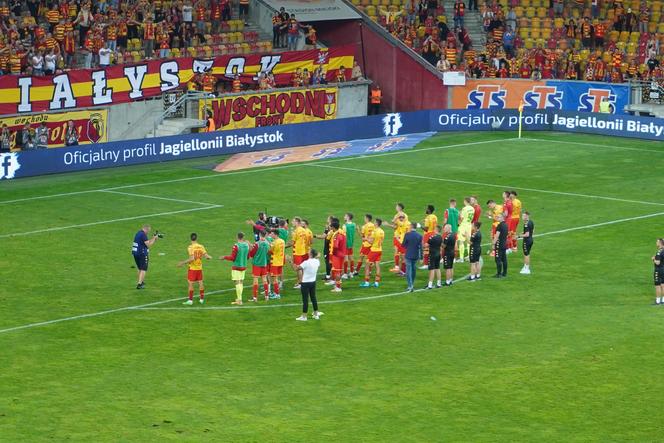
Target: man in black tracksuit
[{"x": 499, "y": 246}]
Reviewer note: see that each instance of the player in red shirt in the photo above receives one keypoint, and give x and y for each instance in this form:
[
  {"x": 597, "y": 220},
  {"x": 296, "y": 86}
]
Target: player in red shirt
[
  {"x": 337, "y": 253},
  {"x": 477, "y": 207}
]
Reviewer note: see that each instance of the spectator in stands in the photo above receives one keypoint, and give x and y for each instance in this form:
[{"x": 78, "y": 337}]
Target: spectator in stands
[
  {"x": 356, "y": 73},
  {"x": 341, "y": 75},
  {"x": 443, "y": 64},
  {"x": 104, "y": 56},
  {"x": 459, "y": 13},
  {"x": 558, "y": 7},
  {"x": 430, "y": 50},
  {"x": 38, "y": 63},
  {"x": 508, "y": 42},
  {"x": 41, "y": 136},
  {"x": 244, "y": 11},
  {"x": 293, "y": 33},
  {"x": 276, "y": 29},
  {"x": 71, "y": 134},
  {"x": 84, "y": 20},
  {"x": 50, "y": 60},
  {"x": 510, "y": 19},
  {"x": 472, "y": 5}
]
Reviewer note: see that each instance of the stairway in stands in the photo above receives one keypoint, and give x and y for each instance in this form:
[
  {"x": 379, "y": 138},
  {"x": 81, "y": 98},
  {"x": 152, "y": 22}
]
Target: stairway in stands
[{"x": 472, "y": 22}]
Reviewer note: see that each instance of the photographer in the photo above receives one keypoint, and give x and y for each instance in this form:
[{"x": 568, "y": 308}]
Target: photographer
[
  {"x": 259, "y": 225},
  {"x": 140, "y": 250}
]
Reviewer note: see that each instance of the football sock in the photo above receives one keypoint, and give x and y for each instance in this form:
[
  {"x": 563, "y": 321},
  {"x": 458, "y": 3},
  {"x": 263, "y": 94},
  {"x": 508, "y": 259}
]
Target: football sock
[
  {"x": 425, "y": 260},
  {"x": 276, "y": 288},
  {"x": 255, "y": 289},
  {"x": 191, "y": 294},
  {"x": 462, "y": 250},
  {"x": 238, "y": 290},
  {"x": 359, "y": 266},
  {"x": 345, "y": 267},
  {"x": 352, "y": 266},
  {"x": 266, "y": 289},
  {"x": 403, "y": 267},
  {"x": 396, "y": 261},
  {"x": 201, "y": 294}
]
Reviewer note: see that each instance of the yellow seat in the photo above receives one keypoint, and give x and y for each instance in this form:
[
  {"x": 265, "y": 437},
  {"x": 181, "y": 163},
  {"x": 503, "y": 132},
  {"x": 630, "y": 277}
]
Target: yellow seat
[
  {"x": 584, "y": 54},
  {"x": 634, "y": 36},
  {"x": 523, "y": 33},
  {"x": 607, "y": 57},
  {"x": 385, "y": 2},
  {"x": 530, "y": 12},
  {"x": 525, "y": 3},
  {"x": 621, "y": 45},
  {"x": 535, "y": 33},
  {"x": 536, "y": 23},
  {"x": 660, "y": 28},
  {"x": 546, "y": 33},
  {"x": 652, "y": 27},
  {"x": 529, "y": 43},
  {"x": 558, "y": 22},
  {"x": 541, "y": 12},
  {"x": 623, "y": 67}
]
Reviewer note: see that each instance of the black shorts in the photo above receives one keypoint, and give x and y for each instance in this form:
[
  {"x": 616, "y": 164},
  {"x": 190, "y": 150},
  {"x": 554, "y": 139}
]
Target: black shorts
[
  {"x": 448, "y": 262},
  {"x": 141, "y": 261},
  {"x": 475, "y": 254},
  {"x": 658, "y": 277},
  {"x": 434, "y": 262},
  {"x": 527, "y": 245}
]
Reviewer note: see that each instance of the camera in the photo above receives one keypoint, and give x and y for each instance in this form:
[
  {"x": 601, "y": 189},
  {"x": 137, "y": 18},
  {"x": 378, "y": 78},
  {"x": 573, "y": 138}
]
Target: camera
[
  {"x": 158, "y": 234},
  {"x": 272, "y": 221}
]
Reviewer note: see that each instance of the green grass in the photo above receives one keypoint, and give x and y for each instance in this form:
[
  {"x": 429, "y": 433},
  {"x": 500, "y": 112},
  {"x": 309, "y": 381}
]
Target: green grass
[{"x": 570, "y": 353}]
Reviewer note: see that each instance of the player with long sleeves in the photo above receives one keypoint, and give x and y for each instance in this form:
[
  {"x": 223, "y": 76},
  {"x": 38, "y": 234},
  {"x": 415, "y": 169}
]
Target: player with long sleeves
[{"x": 466, "y": 217}]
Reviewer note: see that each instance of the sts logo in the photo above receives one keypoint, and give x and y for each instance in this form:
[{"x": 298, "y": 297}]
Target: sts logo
[
  {"x": 392, "y": 124},
  {"x": 9, "y": 165},
  {"x": 543, "y": 97},
  {"x": 486, "y": 97},
  {"x": 590, "y": 101}
]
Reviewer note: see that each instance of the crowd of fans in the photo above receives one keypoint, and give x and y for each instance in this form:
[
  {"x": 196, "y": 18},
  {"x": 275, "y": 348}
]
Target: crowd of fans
[
  {"x": 537, "y": 39},
  {"x": 41, "y": 37}
]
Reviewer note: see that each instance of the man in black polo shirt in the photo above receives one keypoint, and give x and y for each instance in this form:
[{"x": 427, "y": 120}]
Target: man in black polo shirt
[
  {"x": 140, "y": 250},
  {"x": 527, "y": 236},
  {"x": 259, "y": 225},
  {"x": 435, "y": 242},
  {"x": 449, "y": 243},
  {"x": 499, "y": 245}
]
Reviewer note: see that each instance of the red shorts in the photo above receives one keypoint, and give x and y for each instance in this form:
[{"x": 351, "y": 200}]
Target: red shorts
[
  {"x": 349, "y": 252},
  {"x": 398, "y": 247},
  {"x": 276, "y": 271},
  {"x": 259, "y": 271},
  {"x": 512, "y": 223},
  {"x": 299, "y": 259},
  {"x": 374, "y": 256},
  {"x": 195, "y": 275},
  {"x": 364, "y": 250},
  {"x": 337, "y": 263}
]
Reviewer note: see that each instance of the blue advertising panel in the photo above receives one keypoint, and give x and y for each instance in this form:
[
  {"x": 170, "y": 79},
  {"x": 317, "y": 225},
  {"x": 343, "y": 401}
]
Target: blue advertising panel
[{"x": 586, "y": 96}]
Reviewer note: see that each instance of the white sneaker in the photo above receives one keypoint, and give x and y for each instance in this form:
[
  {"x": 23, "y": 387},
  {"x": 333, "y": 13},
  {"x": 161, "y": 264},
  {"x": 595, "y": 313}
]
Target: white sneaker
[
  {"x": 301, "y": 318},
  {"x": 318, "y": 316},
  {"x": 329, "y": 283},
  {"x": 296, "y": 287},
  {"x": 508, "y": 251},
  {"x": 188, "y": 302},
  {"x": 335, "y": 289},
  {"x": 201, "y": 300},
  {"x": 525, "y": 271},
  {"x": 344, "y": 276},
  {"x": 424, "y": 267}
]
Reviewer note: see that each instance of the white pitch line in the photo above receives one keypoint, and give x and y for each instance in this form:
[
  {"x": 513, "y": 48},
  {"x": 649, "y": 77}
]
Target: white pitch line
[
  {"x": 140, "y": 307},
  {"x": 595, "y": 145},
  {"x": 247, "y": 171},
  {"x": 103, "y": 222},
  {"x": 490, "y": 185},
  {"x": 131, "y": 194}
]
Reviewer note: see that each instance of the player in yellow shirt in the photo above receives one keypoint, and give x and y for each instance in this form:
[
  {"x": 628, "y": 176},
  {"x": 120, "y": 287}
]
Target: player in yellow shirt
[
  {"x": 366, "y": 232},
  {"x": 466, "y": 216},
  {"x": 299, "y": 244},
  {"x": 309, "y": 236},
  {"x": 196, "y": 253},
  {"x": 429, "y": 227},
  {"x": 400, "y": 224},
  {"x": 375, "y": 254},
  {"x": 277, "y": 259},
  {"x": 513, "y": 222},
  {"x": 494, "y": 213}
]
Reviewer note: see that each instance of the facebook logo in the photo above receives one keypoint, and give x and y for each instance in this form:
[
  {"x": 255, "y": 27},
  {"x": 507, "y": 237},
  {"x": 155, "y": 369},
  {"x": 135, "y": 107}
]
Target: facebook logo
[
  {"x": 392, "y": 124},
  {"x": 9, "y": 165}
]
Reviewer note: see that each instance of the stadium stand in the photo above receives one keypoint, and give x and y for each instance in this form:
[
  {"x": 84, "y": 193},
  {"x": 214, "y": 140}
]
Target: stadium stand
[
  {"x": 39, "y": 37},
  {"x": 611, "y": 41}
]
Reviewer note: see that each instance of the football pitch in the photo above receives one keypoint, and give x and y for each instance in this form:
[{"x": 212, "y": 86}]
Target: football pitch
[{"x": 569, "y": 353}]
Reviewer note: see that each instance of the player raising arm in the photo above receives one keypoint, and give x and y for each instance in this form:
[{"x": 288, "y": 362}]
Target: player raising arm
[
  {"x": 196, "y": 253},
  {"x": 239, "y": 256},
  {"x": 375, "y": 254}
]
